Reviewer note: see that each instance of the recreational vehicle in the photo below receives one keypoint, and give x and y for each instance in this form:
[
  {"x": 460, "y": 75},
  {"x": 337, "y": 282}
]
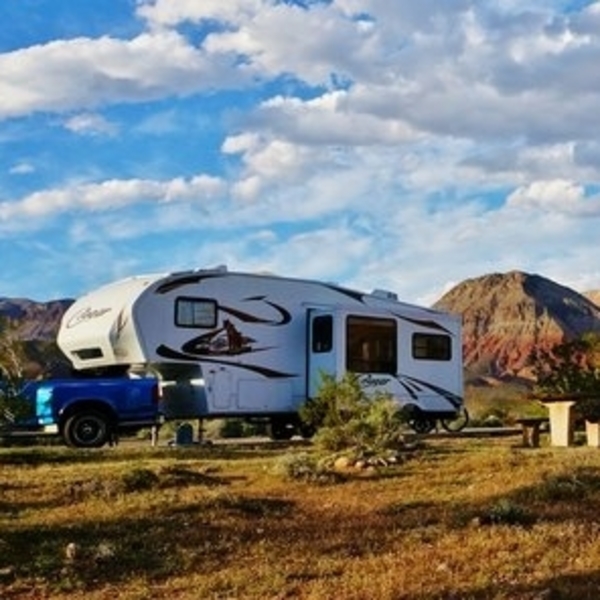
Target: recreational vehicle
[{"x": 233, "y": 344}]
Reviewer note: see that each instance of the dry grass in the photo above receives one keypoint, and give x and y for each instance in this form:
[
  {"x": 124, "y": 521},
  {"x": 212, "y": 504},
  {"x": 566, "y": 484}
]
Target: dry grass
[{"x": 457, "y": 519}]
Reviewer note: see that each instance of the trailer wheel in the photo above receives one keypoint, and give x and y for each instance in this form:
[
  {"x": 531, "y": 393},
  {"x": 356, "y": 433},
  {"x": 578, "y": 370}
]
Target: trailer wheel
[
  {"x": 458, "y": 423},
  {"x": 416, "y": 419},
  {"x": 281, "y": 430},
  {"x": 306, "y": 431},
  {"x": 87, "y": 429},
  {"x": 422, "y": 424}
]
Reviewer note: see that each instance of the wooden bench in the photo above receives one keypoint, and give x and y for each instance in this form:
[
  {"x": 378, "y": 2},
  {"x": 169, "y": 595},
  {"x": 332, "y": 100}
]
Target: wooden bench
[{"x": 530, "y": 427}]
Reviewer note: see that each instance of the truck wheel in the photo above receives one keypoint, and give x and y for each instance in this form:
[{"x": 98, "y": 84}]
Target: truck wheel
[{"x": 87, "y": 429}]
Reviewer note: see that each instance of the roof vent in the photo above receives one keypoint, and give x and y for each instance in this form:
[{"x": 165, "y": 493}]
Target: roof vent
[
  {"x": 218, "y": 269},
  {"x": 384, "y": 294}
]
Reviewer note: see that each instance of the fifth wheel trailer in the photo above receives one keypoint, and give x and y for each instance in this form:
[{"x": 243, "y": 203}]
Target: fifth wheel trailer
[{"x": 234, "y": 344}]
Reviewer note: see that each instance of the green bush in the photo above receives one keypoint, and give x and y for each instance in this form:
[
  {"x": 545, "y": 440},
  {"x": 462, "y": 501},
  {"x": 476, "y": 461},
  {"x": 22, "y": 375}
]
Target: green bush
[
  {"x": 572, "y": 369},
  {"x": 569, "y": 368},
  {"x": 139, "y": 479},
  {"x": 506, "y": 512},
  {"x": 344, "y": 417},
  {"x": 306, "y": 467},
  {"x": 13, "y": 407}
]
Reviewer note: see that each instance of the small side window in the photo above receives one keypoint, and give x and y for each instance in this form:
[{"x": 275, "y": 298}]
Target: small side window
[
  {"x": 322, "y": 334},
  {"x": 431, "y": 346},
  {"x": 195, "y": 312}
]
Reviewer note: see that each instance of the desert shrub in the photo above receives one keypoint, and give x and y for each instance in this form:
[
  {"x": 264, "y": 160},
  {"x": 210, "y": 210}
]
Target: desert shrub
[
  {"x": 306, "y": 467},
  {"x": 139, "y": 479},
  {"x": 492, "y": 420},
  {"x": 506, "y": 512},
  {"x": 572, "y": 486},
  {"x": 297, "y": 466},
  {"x": 344, "y": 416},
  {"x": 13, "y": 407},
  {"x": 12, "y": 375}
]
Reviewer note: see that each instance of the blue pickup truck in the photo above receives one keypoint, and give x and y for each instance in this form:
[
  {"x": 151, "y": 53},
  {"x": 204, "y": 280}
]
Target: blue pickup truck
[{"x": 88, "y": 413}]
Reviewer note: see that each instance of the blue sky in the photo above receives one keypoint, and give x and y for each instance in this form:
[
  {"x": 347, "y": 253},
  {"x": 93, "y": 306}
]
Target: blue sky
[{"x": 400, "y": 145}]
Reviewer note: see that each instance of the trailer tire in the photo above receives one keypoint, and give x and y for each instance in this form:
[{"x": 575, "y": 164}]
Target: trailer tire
[
  {"x": 417, "y": 420},
  {"x": 422, "y": 424},
  {"x": 306, "y": 431},
  {"x": 87, "y": 428},
  {"x": 280, "y": 430},
  {"x": 458, "y": 423}
]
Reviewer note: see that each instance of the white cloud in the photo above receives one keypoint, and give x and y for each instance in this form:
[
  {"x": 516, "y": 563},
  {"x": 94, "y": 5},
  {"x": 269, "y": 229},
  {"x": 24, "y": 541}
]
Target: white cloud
[
  {"x": 555, "y": 196},
  {"x": 109, "y": 195},
  {"x": 90, "y": 124},
  {"x": 173, "y": 12},
  {"x": 22, "y": 168},
  {"x": 86, "y": 73}
]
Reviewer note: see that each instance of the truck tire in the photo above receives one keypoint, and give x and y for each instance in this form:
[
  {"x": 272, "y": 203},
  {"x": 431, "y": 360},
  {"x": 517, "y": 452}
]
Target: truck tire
[{"x": 87, "y": 429}]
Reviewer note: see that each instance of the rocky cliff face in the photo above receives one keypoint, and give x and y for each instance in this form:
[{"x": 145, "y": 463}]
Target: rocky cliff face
[{"x": 506, "y": 315}]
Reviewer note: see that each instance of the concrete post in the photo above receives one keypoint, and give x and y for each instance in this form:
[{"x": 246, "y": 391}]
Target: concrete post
[
  {"x": 561, "y": 422},
  {"x": 592, "y": 431}
]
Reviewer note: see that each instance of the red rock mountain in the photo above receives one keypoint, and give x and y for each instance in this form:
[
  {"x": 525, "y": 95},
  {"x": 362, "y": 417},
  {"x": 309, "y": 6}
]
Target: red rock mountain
[
  {"x": 506, "y": 315},
  {"x": 594, "y": 296}
]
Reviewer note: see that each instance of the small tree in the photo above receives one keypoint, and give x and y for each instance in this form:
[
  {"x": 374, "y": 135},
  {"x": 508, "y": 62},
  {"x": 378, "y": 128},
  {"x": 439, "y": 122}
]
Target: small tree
[
  {"x": 571, "y": 368},
  {"x": 12, "y": 361},
  {"x": 345, "y": 417}
]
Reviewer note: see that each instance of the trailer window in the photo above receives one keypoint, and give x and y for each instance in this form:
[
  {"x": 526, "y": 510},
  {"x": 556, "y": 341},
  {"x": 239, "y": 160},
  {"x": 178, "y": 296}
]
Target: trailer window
[
  {"x": 322, "y": 334},
  {"x": 195, "y": 312},
  {"x": 431, "y": 346},
  {"x": 371, "y": 345}
]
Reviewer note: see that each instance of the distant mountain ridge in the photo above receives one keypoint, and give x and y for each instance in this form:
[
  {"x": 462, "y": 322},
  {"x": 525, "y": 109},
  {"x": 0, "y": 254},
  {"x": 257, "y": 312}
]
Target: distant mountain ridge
[
  {"x": 506, "y": 315},
  {"x": 34, "y": 321}
]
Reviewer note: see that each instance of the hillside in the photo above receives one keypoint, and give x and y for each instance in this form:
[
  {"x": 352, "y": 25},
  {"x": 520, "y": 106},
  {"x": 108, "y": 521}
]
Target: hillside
[
  {"x": 36, "y": 324},
  {"x": 506, "y": 315},
  {"x": 594, "y": 296},
  {"x": 34, "y": 321}
]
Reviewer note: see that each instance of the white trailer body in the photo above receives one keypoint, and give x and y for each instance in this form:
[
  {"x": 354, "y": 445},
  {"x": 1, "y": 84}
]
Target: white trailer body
[{"x": 249, "y": 345}]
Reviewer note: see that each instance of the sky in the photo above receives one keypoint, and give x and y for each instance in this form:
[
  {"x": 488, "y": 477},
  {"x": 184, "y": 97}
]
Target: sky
[{"x": 387, "y": 144}]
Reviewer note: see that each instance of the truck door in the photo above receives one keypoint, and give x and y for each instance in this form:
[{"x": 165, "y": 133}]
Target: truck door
[{"x": 322, "y": 348}]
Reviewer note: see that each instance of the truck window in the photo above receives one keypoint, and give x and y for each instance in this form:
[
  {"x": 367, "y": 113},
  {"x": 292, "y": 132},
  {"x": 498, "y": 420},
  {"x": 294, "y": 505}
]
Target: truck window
[
  {"x": 371, "y": 345},
  {"x": 431, "y": 346},
  {"x": 322, "y": 334},
  {"x": 195, "y": 312}
]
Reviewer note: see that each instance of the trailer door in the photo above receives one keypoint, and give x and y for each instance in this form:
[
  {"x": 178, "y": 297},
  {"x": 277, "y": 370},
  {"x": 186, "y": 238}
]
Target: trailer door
[{"x": 322, "y": 349}]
